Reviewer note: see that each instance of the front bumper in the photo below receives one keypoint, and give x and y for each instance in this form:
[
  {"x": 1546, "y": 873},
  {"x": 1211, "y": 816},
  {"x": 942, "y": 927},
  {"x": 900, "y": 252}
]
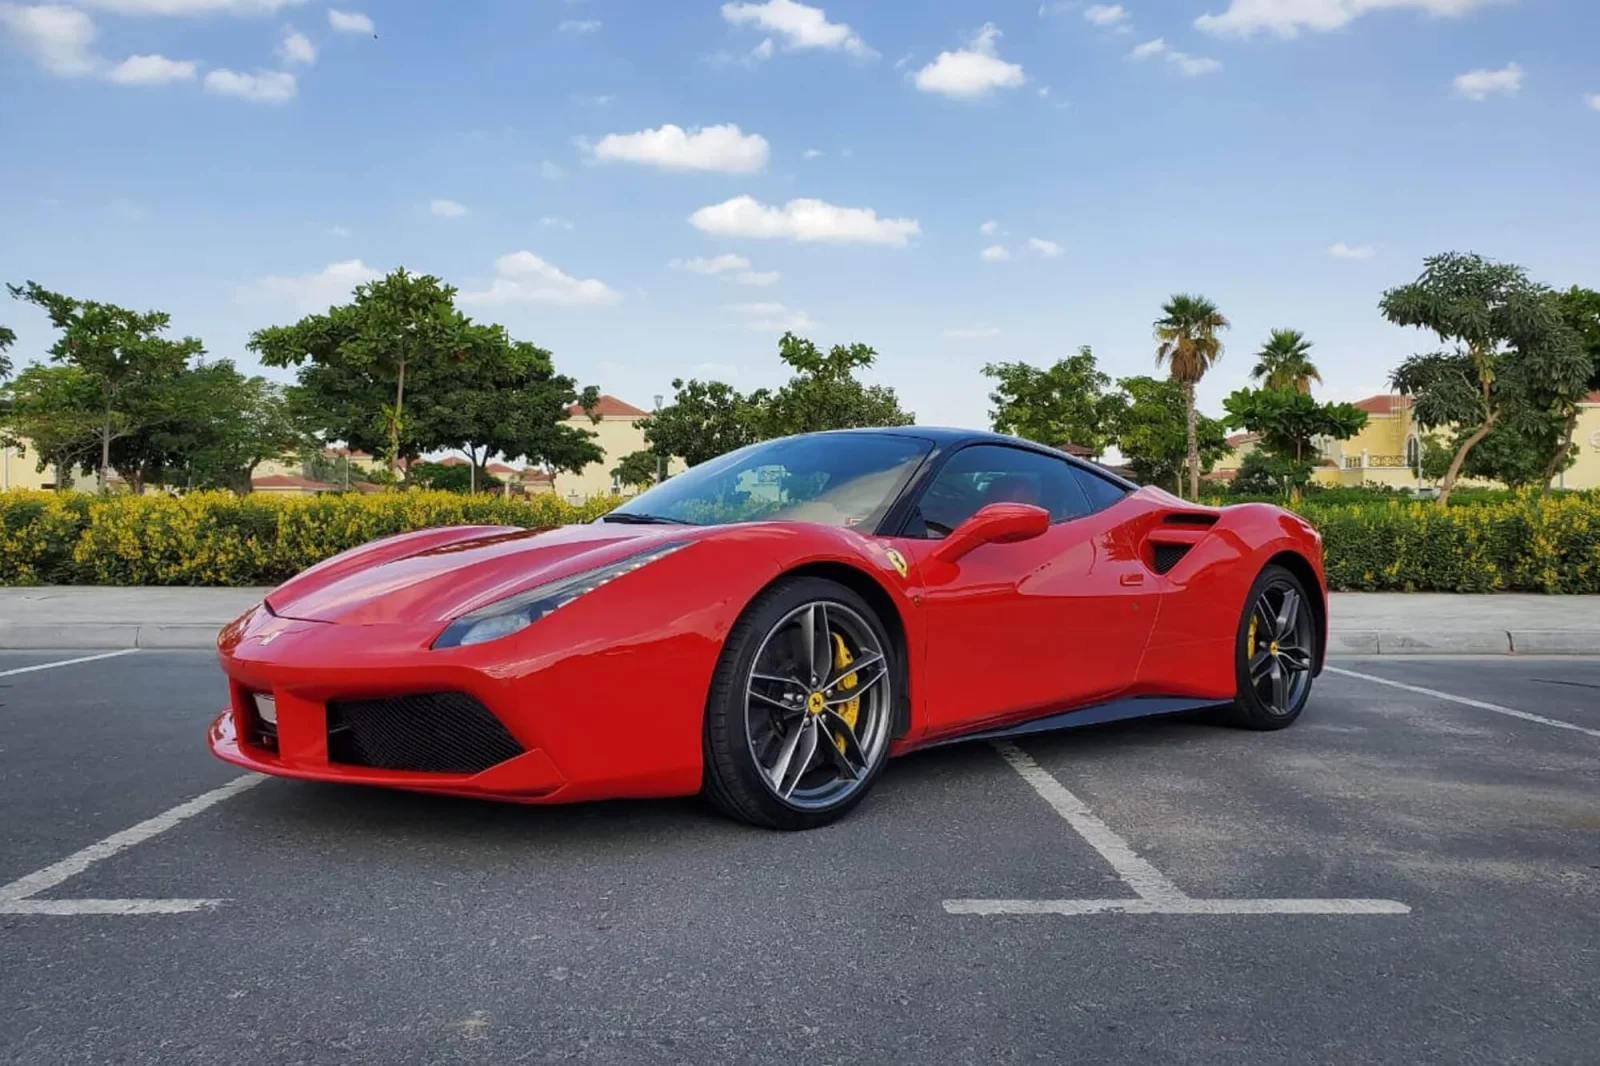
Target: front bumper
[{"x": 555, "y": 696}]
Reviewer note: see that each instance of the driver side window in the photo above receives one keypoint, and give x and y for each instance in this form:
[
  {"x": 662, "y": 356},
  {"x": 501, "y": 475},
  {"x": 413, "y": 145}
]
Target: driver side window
[{"x": 982, "y": 474}]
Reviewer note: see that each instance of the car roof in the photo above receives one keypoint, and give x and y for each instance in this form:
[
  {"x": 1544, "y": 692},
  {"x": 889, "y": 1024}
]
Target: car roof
[{"x": 947, "y": 437}]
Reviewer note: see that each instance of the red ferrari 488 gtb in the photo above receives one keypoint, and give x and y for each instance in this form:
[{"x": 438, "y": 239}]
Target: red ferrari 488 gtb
[{"x": 770, "y": 627}]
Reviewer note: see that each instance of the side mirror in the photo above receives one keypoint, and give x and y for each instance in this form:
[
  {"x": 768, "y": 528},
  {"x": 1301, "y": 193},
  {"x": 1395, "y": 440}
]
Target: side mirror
[{"x": 998, "y": 523}]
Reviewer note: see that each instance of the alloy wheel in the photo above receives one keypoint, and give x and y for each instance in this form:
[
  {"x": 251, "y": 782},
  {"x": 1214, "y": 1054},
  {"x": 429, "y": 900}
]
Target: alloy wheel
[{"x": 1278, "y": 647}]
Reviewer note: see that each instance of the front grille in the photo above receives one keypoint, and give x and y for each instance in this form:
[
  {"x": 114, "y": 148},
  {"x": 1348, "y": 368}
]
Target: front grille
[
  {"x": 1166, "y": 556},
  {"x": 437, "y": 732}
]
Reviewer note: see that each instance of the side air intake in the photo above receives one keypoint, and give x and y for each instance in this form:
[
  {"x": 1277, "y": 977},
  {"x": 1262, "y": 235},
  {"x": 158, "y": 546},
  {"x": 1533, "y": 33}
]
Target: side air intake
[
  {"x": 1166, "y": 556},
  {"x": 1189, "y": 518}
]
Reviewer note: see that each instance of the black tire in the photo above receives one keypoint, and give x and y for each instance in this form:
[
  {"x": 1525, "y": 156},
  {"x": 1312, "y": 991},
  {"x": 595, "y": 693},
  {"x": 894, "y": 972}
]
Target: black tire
[
  {"x": 734, "y": 782},
  {"x": 1259, "y": 703}
]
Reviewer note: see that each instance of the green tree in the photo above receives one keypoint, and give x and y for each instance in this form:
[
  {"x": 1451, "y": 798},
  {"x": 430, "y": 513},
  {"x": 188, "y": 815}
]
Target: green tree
[
  {"x": 1511, "y": 352},
  {"x": 228, "y": 425},
  {"x": 637, "y": 470},
  {"x": 123, "y": 352},
  {"x": 357, "y": 360},
  {"x": 1188, "y": 345},
  {"x": 1284, "y": 362},
  {"x": 7, "y": 339},
  {"x": 1289, "y": 422},
  {"x": 451, "y": 477},
  {"x": 1580, "y": 309},
  {"x": 704, "y": 420},
  {"x": 1066, "y": 403},
  {"x": 56, "y": 411},
  {"x": 1152, "y": 430},
  {"x": 824, "y": 393}
]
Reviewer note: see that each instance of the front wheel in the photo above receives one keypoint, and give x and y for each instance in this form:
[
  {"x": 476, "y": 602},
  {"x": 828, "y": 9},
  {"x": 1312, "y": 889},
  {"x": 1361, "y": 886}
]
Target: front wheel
[
  {"x": 1275, "y": 653},
  {"x": 801, "y": 710}
]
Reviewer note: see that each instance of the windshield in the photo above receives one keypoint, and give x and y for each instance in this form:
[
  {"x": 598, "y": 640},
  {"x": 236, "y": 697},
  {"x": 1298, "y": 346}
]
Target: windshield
[{"x": 832, "y": 479}]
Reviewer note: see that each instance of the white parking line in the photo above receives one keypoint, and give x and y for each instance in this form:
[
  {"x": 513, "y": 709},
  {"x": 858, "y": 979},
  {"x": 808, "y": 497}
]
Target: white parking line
[
  {"x": 1554, "y": 723},
  {"x": 68, "y": 662},
  {"x": 14, "y": 898},
  {"x": 1156, "y": 894}
]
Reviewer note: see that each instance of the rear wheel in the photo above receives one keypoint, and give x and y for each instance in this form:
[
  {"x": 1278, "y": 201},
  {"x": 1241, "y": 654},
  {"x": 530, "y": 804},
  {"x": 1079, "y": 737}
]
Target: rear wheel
[
  {"x": 1275, "y": 653},
  {"x": 801, "y": 710}
]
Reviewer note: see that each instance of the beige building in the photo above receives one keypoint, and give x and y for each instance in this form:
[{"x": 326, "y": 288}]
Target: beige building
[{"x": 617, "y": 436}]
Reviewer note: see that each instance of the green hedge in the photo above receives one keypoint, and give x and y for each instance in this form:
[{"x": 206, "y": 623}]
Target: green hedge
[{"x": 1523, "y": 542}]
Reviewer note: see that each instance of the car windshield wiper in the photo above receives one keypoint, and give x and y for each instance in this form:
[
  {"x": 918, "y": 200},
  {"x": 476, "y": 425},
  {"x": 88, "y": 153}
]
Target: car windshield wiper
[{"x": 630, "y": 518}]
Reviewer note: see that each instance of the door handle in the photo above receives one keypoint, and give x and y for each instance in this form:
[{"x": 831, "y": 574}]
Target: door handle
[{"x": 1134, "y": 578}]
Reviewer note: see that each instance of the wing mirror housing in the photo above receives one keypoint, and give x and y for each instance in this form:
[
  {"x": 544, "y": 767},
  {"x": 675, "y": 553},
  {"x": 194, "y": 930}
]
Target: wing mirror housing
[{"x": 997, "y": 523}]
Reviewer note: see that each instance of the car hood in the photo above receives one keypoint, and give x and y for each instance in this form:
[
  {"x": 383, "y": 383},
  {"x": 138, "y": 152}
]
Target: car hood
[{"x": 438, "y": 582}]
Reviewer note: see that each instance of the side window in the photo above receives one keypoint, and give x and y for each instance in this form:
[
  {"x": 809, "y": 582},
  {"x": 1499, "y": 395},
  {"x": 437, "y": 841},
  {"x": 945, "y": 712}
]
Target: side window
[
  {"x": 990, "y": 473},
  {"x": 1101, "y": 491}
]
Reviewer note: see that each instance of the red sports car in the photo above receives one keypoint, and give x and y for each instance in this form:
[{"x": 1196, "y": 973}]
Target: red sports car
[{"x": 770, "y": 627}]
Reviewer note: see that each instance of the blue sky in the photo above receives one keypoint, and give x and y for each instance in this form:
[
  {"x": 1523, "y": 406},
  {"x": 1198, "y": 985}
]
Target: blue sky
[{"x": 656, "y": 189}]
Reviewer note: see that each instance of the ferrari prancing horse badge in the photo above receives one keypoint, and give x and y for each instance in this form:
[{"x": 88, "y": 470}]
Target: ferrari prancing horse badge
[{"x": 898, "y": 561}]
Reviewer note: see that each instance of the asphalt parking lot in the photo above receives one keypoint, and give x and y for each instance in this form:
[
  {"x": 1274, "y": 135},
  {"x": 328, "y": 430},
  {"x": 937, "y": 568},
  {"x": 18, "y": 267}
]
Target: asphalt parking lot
[{"x": 1420, "y": 881}]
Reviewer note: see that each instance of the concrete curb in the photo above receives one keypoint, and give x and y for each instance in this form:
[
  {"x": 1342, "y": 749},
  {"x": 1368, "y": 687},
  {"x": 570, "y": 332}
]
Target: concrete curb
[{"x": 105, "y": 636}]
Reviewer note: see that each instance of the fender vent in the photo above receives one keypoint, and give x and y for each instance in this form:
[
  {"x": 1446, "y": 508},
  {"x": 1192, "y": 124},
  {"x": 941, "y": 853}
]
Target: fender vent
[
  {"x": 1166, "y": 556},
  {"x": 1188, "y": 518}
]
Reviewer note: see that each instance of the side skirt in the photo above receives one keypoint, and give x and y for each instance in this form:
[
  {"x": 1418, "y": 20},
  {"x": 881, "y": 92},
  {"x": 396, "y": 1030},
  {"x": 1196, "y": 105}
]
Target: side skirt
[{"x": 1095, "y": 714}]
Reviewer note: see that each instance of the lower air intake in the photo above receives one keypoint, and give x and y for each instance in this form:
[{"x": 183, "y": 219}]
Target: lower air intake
[{"x": 437, "y": 732}]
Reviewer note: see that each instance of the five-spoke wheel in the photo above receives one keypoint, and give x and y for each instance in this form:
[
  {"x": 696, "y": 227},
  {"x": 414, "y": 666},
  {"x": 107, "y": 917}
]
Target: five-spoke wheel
[
  {"x": 802, "y": 708},
  {"x": 1277, "y": 652}
]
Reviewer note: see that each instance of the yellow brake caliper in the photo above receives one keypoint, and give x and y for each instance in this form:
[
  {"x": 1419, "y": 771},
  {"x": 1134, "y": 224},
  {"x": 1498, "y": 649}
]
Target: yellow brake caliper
[
  {"x": 849, "y": 711},
  {"x": 1250, "y": 649}
]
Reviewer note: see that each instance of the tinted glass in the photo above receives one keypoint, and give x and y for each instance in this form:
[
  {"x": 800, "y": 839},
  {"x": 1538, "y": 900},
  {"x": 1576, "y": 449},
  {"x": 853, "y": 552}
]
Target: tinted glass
[
  {"x": 834, "y": 479},
  {"x": 987, "y": 473},
  {"x": 1101, "y": 491}
]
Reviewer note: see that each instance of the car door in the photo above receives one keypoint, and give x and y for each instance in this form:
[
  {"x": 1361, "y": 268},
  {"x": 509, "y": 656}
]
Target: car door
[{"x": 1020, "y": 629}]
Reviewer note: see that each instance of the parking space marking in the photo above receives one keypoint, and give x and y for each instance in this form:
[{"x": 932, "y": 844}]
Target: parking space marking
[
  {"x": 1554, "y": 723},
  {"x": 67, "y": 662},
  {"x": 1156, "y": 894},
  {"x": 15, "y": 897}
]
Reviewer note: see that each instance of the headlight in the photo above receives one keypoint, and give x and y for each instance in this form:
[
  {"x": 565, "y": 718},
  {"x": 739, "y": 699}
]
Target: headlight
[{"x": 514, "y": 613}]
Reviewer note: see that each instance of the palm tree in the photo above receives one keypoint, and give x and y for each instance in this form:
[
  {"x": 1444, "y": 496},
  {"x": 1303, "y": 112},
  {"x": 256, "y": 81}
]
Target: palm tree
[
  {"x": 1188, "y": 345},
  {"x": 1284, "y": 362}
]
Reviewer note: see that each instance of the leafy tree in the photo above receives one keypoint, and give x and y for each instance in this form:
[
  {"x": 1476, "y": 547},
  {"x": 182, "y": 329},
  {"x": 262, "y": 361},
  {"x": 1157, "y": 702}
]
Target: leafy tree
[
  {"x": 1580, "y": 309},
  {"x": 1515, "y": 453},
  {"x": 364, "y": 355},
  {"x": 1153, "y": 431},
  {"x": 7, "y": 339},
  {"x": 1289, "y": 423},
  {"x": 56, "y": 410},
  {"x": 1265, "y": 474},
  {"x": 125, "y": 355},
  {"x": 824, "y": 393},
  {"x": 704, "y": 420},
  {"x": 1284, "y": 362},
  {"x": 1188, "y": 345},
  {"x": 637, "y": 469},
  {"x": 1064, "y": 404},
  {"x": 228, "y": 425},
  {"x": 451, "y": 478},
  {"x": 1511, "y": 352}
]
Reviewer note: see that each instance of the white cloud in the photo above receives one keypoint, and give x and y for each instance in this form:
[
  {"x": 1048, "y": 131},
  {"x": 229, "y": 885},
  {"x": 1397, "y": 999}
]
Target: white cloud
[
  {"x": 761, "y": 278},
  {"x": 1593, "y": 100},
  {"x": 1048, "y": 249},
  {"x": 1286, "y": 18},
  {"x": 973, "y": 333},
  {"x": 313, "y": 292},
  {"x": 1342, "y": 250},
  {"x": 264, "y": 87},
  {"x": 190, "y": 7},
  {"x": 552, "y": 222},
  {"x": 1481, "y": 84},
  {"x": 524, "y": 278},
  {"x": 350, "y": 22},
  {"x": 803, "y": 220},
  {"x": 995, "y": 253},
  {"x": 716, "y": 265},
  {"x": 578, "y": 25},
  {"x": 775, "y": 318},
  {"x": 59, "y": 38},
  {"x": 799, "y": 25},
  {"x": 151, "y": 70},
  {"x": 447, "y": 208},
  {"x": 721, "y": 149},
  {"x": 339, "y": 231},
  {"x": 972, "y": 72},
  {"x": 1187, "y": 65},
  {"x": 811, "y": 153},
  {"x": 297, "y": 48},
  {"x": 1109, "y": 16},
  {"x": 550, "y": 172},
  {"x": 990, "y": 228}
]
